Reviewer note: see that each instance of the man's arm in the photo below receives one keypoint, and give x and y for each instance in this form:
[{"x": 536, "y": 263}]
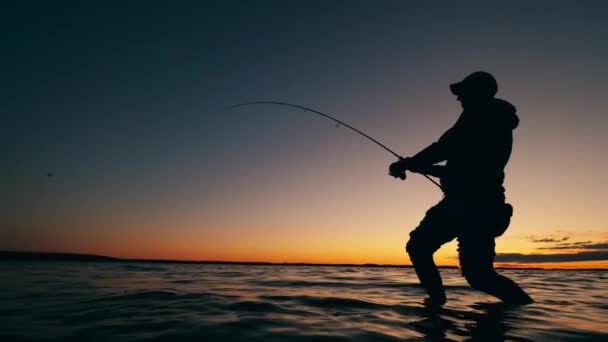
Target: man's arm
[
  {"x": 434, "y": 153},
  {"x": 423, "y": 161},
  {"x": 432, "y": 170}
]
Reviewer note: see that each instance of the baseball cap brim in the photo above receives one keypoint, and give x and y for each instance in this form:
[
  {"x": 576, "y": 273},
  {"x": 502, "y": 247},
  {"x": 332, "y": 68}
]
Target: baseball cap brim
[{"x": 457, "y": 88}]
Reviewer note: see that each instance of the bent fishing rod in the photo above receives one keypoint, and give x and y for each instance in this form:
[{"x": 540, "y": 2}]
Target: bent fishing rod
[{"x": 339, "y": 122}]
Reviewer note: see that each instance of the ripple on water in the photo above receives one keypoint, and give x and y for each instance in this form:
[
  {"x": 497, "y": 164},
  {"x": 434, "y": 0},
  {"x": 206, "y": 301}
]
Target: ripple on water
[{"x": 146, "y": 302}]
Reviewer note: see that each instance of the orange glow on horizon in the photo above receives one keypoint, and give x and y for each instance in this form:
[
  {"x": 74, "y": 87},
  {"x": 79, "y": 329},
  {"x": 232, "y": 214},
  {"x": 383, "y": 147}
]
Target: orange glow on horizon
[
  {"x": 357, "y": 246},
  {"x": 181, "y": 255}
]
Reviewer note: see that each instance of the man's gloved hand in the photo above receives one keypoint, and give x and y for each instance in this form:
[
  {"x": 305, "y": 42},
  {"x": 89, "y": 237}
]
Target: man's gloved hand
[{"x": 398, "y": 168}]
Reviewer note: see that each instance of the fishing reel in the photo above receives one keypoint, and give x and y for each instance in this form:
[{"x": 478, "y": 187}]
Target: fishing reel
[{"x": 398, "y": 168}]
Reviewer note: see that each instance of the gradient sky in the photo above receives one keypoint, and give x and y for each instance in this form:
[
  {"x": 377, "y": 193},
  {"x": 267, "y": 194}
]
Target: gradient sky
[{"x": 125, "y": 104}]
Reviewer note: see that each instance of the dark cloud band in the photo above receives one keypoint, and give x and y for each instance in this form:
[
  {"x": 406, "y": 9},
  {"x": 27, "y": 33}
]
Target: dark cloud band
[
  {"x": 557, "y": 257},
  {"x": 603, "y": 246}
]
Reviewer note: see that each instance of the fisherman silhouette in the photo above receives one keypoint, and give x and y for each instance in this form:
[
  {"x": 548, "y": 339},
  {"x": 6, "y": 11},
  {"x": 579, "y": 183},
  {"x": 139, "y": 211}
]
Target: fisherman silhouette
[{"x": 473, "y": 210}]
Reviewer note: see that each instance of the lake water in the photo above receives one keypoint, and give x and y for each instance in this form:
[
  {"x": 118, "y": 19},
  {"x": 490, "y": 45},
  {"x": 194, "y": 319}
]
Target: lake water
[{"x": 89, "y": 301}]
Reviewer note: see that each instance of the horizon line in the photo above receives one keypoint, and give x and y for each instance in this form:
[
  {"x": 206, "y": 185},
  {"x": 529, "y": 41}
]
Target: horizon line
[{"x": 67, "y": 256}]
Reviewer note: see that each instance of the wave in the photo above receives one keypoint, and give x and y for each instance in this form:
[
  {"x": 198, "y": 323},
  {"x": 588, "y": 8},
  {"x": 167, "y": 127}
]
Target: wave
[
  {"x": 364, "y": 284},
  {"x": 135, "y": 302}
]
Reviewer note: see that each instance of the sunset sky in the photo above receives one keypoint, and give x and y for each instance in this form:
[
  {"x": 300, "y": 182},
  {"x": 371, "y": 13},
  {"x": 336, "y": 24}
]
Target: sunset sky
[{"x": 126, "y": 106}]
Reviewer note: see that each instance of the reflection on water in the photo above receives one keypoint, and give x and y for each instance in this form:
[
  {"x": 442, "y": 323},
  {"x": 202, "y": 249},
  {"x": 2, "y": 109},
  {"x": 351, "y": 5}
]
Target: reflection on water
[{"x": 140, "y": 301}]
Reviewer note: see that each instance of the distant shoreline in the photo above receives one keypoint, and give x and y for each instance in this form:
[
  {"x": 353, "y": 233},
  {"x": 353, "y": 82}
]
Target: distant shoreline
[{"x": 54, "y": 256}]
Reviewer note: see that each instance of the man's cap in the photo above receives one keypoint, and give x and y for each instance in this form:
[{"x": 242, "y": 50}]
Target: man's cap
[{"x": 479, "y": 83}]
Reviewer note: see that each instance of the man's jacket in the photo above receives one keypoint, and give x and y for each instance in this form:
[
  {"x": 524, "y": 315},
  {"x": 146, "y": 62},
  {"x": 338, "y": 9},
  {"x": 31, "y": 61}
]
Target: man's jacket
[{"x": 476, "y": 150}]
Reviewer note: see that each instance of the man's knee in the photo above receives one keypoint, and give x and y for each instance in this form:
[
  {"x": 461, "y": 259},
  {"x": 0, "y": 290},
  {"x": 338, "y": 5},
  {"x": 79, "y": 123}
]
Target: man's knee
[
  {"x": 410, "y": 247},
  {"x": 476, "y": 254},
  {"x": 480, "y": 278},
  {"x": 432, "y": 232},
  {"x": 416, "y": 249}
]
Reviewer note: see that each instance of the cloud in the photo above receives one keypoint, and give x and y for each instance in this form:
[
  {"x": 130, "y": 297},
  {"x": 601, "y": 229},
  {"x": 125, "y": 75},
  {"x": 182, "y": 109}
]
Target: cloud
[
  {"x": 574, "y": 243},
  {"x": 580, "y": 245},
  {"x": 545, "y": 240},
  {"x": 556, "y": 257}
]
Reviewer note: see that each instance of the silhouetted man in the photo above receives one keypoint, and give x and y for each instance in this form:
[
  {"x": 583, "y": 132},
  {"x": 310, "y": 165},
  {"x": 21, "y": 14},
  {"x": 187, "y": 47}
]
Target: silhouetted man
[{"x": 473, "y": 210}]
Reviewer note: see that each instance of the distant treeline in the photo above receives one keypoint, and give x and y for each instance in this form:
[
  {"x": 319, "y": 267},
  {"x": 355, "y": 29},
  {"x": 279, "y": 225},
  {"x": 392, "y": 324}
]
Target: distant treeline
[
  {"x": 51, "y": 256},
  {"x": 44, "y": 256}
]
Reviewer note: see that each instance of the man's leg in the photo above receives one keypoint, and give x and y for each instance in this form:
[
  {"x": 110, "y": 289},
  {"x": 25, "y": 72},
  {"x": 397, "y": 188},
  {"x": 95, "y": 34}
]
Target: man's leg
[
  {"x": 424, "y": 241},
  {"x": 476, "y": 261}
]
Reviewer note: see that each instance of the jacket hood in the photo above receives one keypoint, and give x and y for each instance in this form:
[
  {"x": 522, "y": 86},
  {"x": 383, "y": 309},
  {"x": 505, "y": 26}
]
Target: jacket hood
[{"x": 504, "y": 113}]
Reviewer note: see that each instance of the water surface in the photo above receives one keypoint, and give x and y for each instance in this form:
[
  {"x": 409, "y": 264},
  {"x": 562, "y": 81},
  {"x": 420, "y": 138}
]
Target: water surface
[{"x": 99, "y": 301}]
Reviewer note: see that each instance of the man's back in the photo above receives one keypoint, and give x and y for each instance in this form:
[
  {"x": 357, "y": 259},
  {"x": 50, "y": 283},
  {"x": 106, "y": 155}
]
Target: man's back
[{"x": 477, "y": 149}]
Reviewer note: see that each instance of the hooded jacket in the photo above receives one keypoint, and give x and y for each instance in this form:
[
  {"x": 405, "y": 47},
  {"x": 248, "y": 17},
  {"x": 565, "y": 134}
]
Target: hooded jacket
[{"x": 476, "y": 150}]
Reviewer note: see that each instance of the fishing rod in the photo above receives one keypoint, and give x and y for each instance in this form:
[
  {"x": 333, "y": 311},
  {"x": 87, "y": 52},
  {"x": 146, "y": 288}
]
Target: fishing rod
[{"x": 339, "y": 122}]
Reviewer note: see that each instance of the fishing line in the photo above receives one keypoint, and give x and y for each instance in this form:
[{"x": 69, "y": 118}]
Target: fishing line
[{"x": 338, "y": 124}]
